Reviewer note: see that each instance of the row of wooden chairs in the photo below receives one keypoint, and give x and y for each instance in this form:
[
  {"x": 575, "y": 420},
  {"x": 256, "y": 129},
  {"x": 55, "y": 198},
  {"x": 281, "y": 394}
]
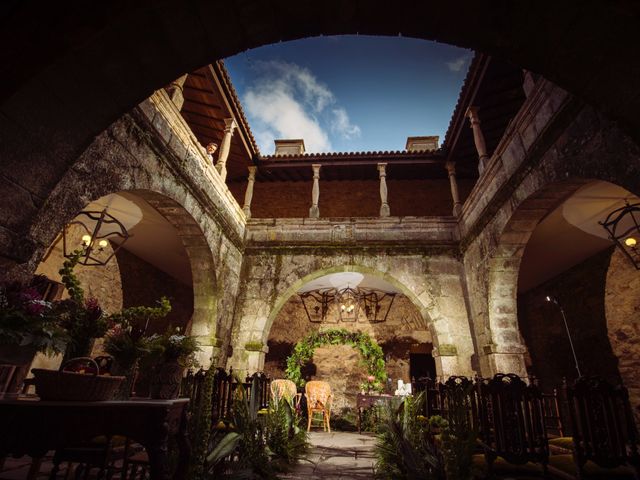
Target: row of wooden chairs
[{"x": 514, "y": 421}]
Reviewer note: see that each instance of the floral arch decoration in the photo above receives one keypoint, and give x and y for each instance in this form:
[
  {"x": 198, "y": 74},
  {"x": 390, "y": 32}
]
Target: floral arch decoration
[{"x": 370, "y": 352}]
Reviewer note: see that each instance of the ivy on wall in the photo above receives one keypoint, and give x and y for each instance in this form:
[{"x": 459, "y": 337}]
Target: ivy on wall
[{"x": 370, "y": 351}]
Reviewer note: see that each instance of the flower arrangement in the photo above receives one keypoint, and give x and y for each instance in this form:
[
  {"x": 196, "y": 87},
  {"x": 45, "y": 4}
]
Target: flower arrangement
[
  {"x": 126, "y": 341},
  {"x": 27, "y": 320},
  {"x": 370, "y": 384},
  {"x": 173, "y": 347},
  {"x": 82, "y": 318}
]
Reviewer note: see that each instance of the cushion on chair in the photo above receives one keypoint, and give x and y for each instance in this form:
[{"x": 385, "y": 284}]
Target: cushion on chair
[
  {"x": 563, "y": 443},
  {"x": 565, "y": 464},
  {"x": 502, "y": 468}
]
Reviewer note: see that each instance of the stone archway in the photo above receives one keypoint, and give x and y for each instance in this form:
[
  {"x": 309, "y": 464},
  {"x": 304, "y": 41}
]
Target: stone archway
[
  {"x": 57, "y": 98},
  {"x": 504, "y": 348},
  {"x": 88, "y": 180},
  {"x": 449, "y": 330}
]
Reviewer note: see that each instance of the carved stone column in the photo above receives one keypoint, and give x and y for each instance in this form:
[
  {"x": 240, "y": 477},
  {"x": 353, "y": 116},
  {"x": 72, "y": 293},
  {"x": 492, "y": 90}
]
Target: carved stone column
[
  {"x": 478, "y": 138},
  {"x": 314, "y": 211},
  {"x": 175, "y": 91},
  {"x": 248, "y": 194},
  {"x": 457, "y": 206},
  {"x": 225, "y": 147},
  {"x": 384, "y": 204}
]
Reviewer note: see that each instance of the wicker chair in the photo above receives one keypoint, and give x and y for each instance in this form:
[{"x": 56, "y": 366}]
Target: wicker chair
[
  {"x": 319, "y": 396},
  {"x": 283, "y": 388}
]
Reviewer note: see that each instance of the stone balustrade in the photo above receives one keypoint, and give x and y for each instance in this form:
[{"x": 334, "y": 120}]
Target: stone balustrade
[
  {"x": 352, "y": 231},
  {"x": 191, "y": 159}
]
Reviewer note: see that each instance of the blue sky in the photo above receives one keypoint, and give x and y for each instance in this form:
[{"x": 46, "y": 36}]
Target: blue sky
[{"x": 349, "y": 93}]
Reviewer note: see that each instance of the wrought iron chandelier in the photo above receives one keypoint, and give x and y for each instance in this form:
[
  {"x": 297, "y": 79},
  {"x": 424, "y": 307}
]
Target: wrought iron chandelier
[
  {"x": 98, "y": 227},
  {"x": 624, "y": 230},
  {"x": 352, "y": 305}
]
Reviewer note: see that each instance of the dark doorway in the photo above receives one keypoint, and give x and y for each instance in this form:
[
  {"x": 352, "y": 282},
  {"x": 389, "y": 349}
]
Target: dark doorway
[{"x": 421, "y": 365}]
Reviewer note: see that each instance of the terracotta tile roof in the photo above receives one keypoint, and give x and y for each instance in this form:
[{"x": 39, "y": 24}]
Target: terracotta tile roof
[
  {"x": 356, "y": 155},
  {"x": 236, "y": 103}
]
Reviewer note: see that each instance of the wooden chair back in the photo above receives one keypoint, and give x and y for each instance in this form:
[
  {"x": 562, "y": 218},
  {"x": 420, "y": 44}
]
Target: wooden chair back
[
  {"x": 604, "y": 430},
  {"x": 263, "y": 394},
  {"x": 460, "y": 404},
  {"x": 552, "y": 414},
  {"x": 513, "y": 421}
]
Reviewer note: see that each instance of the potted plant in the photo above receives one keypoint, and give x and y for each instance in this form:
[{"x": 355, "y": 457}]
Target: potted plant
[
  {"x": 170, "y": 354},
  {"x": 126, "y": 341},
  {"x": 82, "y": 318},
  {"x": 28, "y": 324}
]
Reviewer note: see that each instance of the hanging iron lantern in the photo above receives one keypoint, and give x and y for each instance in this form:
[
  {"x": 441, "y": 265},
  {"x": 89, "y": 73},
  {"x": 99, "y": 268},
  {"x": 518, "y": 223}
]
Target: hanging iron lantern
[
  {"x": 98, "y": 228},
  {"x": 624, "y": 230}
]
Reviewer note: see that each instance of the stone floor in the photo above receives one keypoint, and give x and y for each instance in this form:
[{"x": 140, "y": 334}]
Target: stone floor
[
  {"x": 333, "y": 456},
  {"x": 337, "y": 455}
]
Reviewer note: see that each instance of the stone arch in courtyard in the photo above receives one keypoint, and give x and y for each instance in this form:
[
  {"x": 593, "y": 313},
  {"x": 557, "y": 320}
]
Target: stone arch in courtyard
[
  {"x": 58, "y": 98},
  {"x": 438, "y": 298},
  {"x": 90, "y": 179}
]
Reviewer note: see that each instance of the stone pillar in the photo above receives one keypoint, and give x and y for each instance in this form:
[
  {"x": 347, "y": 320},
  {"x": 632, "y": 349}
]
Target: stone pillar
[
  {"x": 384, "y": 204},
  {"x": 457, "y": 206},
  {"x": 248, "y": 194},
  {"x": 478, "y": 138},
  {"x": 314, "y": 211},
  {"x": 175, "y": 91},
  {"x": 225, "y": 147}
]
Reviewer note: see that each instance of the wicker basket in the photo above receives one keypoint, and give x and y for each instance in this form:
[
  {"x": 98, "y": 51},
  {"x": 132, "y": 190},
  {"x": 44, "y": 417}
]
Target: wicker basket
[{"x": 61, "y": 385}]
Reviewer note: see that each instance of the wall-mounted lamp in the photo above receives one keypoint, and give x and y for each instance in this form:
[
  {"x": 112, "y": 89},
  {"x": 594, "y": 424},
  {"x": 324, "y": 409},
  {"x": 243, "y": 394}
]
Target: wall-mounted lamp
[
  {"x": 624, "y": 230},
  {"x": 566, "y": 326},
  {"x": 98, "y": 228}
]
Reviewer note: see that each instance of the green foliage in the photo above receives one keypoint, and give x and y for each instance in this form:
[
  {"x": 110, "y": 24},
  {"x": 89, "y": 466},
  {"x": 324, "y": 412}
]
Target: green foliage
[
  {"x": 371, "y": 354},
  {"x": 126, "y": 342},
  {"x": 458, "y": 433},
  {"x": 404, "y": 449},
  {"x": 287, "y": 442},
  {"x": 139, "y": 316},
  {"x": 27, "y": 320},
  {"x": 258, "y": 445},
  {"x": 172, "y": 346},
  {"x": 247, "y": 439},
  {"x": 200, "y": 429}
]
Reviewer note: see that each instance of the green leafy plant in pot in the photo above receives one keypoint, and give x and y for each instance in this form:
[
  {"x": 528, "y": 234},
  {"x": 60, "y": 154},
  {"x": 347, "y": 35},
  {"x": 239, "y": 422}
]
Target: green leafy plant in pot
[
  {"x": 83, "y": 319},
  {"x": 28, "y": 324},
  {"x": 126, "y": 341},
  {"x": 170, "y": 353}
]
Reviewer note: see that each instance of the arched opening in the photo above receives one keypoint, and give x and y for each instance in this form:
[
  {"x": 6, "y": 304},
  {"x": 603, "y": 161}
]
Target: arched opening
[
  {"x": 555, "y": 247},
  {"x": 165, "y": 255},
  {"x": 404, "y": 336}
]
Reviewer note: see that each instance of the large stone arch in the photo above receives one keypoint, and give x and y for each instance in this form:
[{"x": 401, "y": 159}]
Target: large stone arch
[
  {"x": 92, "y": 177},
  {"x": 439, "y": 299},
  {"x": 589, "y": 147},
  {"x": 73, "y": 75}
]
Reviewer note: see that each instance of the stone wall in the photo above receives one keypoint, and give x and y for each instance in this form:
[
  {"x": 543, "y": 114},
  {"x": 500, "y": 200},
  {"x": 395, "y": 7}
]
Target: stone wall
[
  {"x": 622, "y": 308},
  {"x": 554, "y": 146},
  {"x": 581, "y": 293},
  {"x": 151, "y": 153},
  {"x": 352, "y": 198},
  {"x": 404, "y": 330},
  {"x": 431, "y": 280},
  {"x": 144, "y": 285}
]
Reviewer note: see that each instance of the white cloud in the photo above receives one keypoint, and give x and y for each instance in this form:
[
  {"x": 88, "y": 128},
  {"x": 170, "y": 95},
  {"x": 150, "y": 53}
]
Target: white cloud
[
  {"x": 289, "y": 102},
  {"x": 342, "y": 126},
  {"x": 458, "y": 64}
]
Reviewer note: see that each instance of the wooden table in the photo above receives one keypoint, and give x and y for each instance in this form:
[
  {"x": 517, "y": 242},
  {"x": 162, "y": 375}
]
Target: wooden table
[
  {"x": 366, "y": 400},
  {"x": 33, "y": 427}
]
